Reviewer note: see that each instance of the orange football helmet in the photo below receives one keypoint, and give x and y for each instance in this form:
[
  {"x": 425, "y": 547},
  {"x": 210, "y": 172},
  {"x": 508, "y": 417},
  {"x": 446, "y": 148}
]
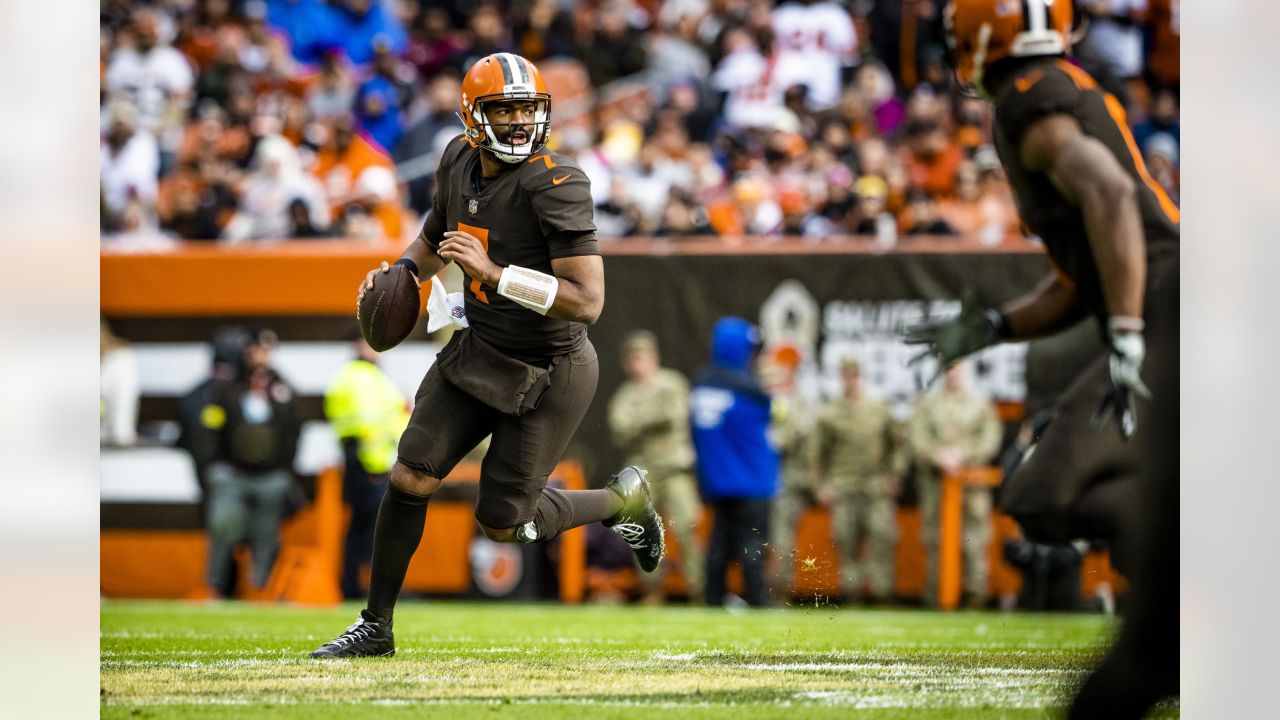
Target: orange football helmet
[
  {"x": 982, "y": 32},
  {"x": 504, "y": 77}
]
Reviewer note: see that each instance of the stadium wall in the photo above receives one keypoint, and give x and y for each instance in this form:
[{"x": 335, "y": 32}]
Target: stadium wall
[{"x": 816, "y": 305}]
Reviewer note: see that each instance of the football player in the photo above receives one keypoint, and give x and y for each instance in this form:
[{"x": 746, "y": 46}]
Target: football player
[
  {"x": 1111, "y": 233},
  {"x": 517, "y": 219}
]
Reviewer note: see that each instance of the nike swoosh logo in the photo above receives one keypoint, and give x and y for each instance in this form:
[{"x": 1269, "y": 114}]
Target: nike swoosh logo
[{"x": 557, "y": 181}]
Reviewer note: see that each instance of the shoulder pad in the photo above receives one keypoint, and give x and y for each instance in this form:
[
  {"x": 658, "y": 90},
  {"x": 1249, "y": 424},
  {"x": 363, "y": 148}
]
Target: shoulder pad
[
  {"x": 549, "y": 169},
  {"x": 456, "y": 147},
  {"x": 1040, "y": 90}
]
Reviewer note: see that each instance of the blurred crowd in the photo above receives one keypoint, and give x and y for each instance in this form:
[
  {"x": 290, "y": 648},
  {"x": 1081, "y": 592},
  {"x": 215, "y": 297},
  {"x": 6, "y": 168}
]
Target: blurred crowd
[{"x": 248, "y": 120}]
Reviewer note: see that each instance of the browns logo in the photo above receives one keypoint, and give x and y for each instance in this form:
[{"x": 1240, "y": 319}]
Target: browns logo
[{"x": 496, "y": 568}]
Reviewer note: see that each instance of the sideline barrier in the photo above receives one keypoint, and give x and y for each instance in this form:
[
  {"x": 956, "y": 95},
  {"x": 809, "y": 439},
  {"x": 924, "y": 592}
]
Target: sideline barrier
[
  {"x": 675, "y": 287},
  {"x": 820, "y": 576},
  {"x": 311, "y": 277},
  {"x": 171, "y": 563}
]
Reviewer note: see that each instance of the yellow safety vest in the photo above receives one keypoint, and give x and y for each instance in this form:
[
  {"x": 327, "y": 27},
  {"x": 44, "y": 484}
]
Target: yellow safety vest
[{"x": 364, "y": 404}]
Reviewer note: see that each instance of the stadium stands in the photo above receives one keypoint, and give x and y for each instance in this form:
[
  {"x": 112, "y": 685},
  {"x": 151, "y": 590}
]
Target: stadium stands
[{"x": 754, "y": 118}]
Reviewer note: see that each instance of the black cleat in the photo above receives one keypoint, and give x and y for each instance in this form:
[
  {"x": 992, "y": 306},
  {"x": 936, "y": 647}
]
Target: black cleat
[
  {"x": 370, "y": 636},
  {"x": 638, "y": 522}
]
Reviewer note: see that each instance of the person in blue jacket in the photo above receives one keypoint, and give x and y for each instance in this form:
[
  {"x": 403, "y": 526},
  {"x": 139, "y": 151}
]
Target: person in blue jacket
[{"x": 737, "y": 462}]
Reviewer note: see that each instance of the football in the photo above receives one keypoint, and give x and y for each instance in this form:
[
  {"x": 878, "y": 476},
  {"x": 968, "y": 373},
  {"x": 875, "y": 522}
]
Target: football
[{"x": 389, "y": 311}]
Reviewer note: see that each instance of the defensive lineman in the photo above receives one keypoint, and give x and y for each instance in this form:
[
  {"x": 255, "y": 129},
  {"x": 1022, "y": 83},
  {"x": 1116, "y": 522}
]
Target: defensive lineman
[
  {"x": 1112, "y": 236},
  {"x": 518, "y": 221}
]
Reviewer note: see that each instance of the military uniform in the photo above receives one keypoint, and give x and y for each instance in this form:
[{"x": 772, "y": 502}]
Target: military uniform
[
  {"x": 650, "y": 423},
  {"x": 792, "y": 425},
  {"x": 538, "y": 211},
  {"x": 857, "y": 452},
  {"x": 967, "y": 422}
]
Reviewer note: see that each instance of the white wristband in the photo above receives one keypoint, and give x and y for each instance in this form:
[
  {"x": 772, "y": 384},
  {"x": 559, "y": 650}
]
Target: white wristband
[
  {"x": 530, "y": 288},
  {"x": 1125, "y": 323}
]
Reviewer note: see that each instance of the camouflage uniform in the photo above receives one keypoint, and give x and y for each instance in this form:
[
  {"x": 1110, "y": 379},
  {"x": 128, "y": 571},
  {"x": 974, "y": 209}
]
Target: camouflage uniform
[
  {"x": 792, "y": 423},
  {"x": 856, "y": 450},
  {"x": 650, "y": 422},
  {"x": 966, "y": 421}
]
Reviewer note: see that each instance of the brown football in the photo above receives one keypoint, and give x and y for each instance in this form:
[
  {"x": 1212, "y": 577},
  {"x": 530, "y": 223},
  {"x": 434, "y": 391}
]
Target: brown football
[{"x": 389, "y": 311}]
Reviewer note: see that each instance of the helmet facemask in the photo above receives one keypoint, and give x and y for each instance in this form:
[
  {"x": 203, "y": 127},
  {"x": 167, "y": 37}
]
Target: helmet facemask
[{"x": 496, "y": 137}]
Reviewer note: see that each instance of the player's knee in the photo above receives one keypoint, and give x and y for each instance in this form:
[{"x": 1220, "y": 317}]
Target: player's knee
[
  {"x": 413, "y": 481},
  {"x": 502, "y": 535}
]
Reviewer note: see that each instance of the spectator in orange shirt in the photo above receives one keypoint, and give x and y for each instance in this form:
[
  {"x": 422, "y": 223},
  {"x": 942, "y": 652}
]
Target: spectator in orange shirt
[
  {"x": 196, "y": 200},
  {"x": 978, "y": 211},
  {"x": 198, "y": 31},
  {"x": 341, "y": 160},
  {"x": 748, "y": 210},
  {"x": 374, "y": 212},
  {"x": 798, "y": 217},
  {"x": 932, "y": 159}
]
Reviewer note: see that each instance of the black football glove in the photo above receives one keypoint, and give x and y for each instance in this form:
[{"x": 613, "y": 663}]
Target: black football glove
[
  {"x": 952, "y": 338},
  {"x": 1127, "y": 350}
]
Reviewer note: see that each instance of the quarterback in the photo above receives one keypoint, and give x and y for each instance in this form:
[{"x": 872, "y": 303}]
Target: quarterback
[{"x": 517, "y": 219}]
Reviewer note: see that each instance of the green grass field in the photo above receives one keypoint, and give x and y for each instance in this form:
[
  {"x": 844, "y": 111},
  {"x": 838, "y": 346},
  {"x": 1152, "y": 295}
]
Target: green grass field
[{"x": 460, "y": 660}]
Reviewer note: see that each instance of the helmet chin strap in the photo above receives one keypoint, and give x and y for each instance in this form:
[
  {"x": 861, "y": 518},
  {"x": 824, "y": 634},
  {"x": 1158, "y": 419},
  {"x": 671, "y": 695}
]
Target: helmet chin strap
[
  {"x": 980, "y": 58},
  {"x": 498, "y": 148}
]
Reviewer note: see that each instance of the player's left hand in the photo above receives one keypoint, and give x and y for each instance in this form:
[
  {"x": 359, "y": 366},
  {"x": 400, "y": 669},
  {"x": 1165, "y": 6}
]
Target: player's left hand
[
  {"x": 470, "y": 254},
  {"x": 1127, "y": 351},
  {"x": 949, "y": 339}
]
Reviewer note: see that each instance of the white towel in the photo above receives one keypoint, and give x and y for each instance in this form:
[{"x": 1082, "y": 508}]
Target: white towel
[{"x": 444, "y": 308}]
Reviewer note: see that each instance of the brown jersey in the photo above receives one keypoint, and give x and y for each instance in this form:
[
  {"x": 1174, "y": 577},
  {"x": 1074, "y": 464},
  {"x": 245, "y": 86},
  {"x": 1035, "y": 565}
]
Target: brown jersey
[
  {"x": 529, "y": 215},
  {"x": 1058, "y": 87}
]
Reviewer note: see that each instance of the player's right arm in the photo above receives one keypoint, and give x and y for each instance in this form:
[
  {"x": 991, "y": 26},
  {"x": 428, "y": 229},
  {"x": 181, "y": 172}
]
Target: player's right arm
[{"x": 421, "y": 252}]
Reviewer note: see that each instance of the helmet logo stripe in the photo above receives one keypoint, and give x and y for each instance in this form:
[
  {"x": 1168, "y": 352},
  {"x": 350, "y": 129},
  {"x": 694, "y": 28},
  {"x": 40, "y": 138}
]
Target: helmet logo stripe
[
  {"x": 506, "y": 71},
  {"x": 512, "y": 69},
  {"x": 519, "y": 63},
  {"x": 1035, "y": 18}
]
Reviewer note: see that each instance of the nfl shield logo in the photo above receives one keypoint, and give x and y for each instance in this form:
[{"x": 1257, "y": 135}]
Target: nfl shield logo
[{"x": 473, "y": 205}]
